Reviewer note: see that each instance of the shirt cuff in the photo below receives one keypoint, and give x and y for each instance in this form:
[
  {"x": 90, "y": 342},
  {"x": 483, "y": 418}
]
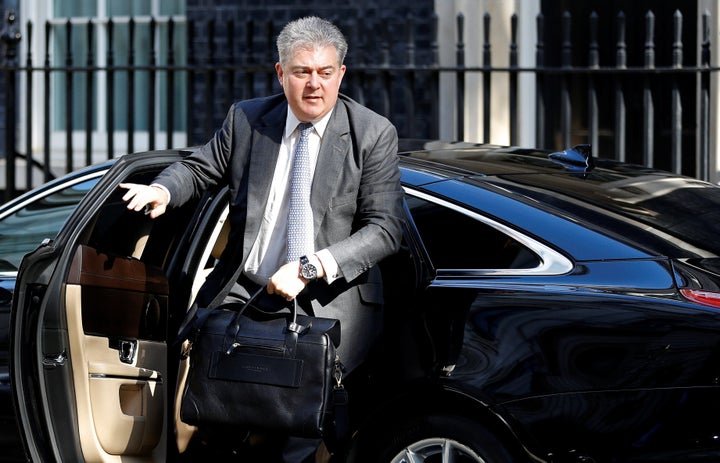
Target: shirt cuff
[{"x": 330, "y": 265}]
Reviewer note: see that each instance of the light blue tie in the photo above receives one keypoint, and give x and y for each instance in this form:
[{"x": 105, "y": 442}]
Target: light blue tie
[{"x": 300, "y": 226}]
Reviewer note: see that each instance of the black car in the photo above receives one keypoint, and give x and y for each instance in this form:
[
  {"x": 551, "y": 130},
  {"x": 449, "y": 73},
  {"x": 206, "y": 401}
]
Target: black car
[{"x": 544, "y": 307}]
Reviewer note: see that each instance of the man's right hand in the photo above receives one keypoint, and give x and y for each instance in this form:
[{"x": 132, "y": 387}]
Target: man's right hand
[{"x": 144, "y": 197}]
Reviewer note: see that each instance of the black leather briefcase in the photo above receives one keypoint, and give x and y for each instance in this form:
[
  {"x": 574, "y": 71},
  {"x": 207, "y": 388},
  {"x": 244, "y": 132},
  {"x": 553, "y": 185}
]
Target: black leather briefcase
[{"x": 275, "y": 373}]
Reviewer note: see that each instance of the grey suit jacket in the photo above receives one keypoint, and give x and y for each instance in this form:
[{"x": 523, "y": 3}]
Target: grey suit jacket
[{"x": 356, "y": 200}]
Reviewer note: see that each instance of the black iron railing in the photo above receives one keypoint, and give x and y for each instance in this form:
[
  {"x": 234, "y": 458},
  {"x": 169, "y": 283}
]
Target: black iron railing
[{"x": 612, "y": 104}]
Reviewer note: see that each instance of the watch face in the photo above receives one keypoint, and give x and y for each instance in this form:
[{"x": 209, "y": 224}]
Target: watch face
[{"x": 308, "y": 271}]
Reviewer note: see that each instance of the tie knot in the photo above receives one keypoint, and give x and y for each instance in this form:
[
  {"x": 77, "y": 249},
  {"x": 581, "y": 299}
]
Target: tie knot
[{"x": 305, "y": 128}]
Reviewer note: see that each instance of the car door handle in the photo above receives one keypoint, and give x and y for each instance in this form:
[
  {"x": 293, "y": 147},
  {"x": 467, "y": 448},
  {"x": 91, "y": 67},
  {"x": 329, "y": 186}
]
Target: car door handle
[
  {"x": 53, "y": 360},
  {"x": 127, "y": 350}
]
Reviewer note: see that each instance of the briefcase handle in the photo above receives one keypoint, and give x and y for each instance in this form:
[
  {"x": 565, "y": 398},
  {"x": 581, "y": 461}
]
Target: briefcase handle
[
  {"x": 292, "y": 323},
  {"x": 293, "y": 327}
]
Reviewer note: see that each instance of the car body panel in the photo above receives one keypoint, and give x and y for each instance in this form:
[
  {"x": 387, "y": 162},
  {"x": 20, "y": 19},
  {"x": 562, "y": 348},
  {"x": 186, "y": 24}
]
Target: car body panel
[{"x": 579, "y": 372}]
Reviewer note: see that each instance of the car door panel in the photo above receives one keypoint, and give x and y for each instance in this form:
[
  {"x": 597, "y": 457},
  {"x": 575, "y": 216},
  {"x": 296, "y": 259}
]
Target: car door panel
[
  {"x": 117, "y": 315},
  {"x": 133, "y": 295},
  {"x": 94, "y": 371}
]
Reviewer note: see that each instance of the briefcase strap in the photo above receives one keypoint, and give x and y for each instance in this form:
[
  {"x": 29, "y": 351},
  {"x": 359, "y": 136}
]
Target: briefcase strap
[{"x": 337, "y": 441}]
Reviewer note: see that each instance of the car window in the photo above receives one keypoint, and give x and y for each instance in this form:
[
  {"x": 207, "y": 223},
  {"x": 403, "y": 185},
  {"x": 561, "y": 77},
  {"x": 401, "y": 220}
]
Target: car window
[
  {"x": 454, "y": 240},
  {"x": 22, "y": 231},
  {"x": 119, "y": 231}
]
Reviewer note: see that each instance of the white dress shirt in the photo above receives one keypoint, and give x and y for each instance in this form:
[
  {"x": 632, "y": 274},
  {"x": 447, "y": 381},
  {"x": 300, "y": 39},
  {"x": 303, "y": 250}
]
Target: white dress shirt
[{"x": 269, "y": 251}]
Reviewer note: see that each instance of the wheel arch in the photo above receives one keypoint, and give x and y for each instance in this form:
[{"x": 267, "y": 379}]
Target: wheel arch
[{"x": 434, "y": 398}]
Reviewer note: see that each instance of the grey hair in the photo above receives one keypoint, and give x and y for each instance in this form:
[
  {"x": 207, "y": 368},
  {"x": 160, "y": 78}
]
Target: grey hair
[{"x": 310, "y": 32}]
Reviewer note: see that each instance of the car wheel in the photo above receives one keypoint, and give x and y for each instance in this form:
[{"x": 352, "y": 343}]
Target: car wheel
[{"x": 432, "y": 439}]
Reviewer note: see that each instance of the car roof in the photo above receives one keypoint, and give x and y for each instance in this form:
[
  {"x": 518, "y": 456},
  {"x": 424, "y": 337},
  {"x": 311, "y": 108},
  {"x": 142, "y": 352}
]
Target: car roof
[
  {"x": 664, "y": 213},
  {"x": 668, "y": 213}
]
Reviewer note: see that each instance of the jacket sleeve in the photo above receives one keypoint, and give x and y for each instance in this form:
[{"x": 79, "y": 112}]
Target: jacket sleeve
[
  {"x": 378, "y": 211},
  {"x": 204, "y": 169}
]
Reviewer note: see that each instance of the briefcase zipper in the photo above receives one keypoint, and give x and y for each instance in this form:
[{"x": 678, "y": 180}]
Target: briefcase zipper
[{"x": 236, "y": 345}]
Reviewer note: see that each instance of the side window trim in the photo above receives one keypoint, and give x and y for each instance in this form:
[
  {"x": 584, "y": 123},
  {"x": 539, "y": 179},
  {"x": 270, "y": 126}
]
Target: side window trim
[
  {"x": 53, "y": 190},
  {"x": 552, "y": 262}
]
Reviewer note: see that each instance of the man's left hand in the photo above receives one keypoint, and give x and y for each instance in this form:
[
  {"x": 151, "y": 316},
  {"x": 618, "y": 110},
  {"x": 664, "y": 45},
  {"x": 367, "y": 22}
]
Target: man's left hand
[{"x": 286, "y": 282}]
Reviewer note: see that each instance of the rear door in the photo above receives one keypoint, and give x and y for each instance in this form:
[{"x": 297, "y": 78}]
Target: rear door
[{"x": 92, "y": 322}]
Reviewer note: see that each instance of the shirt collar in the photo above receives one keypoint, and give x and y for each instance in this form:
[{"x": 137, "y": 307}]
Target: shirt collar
[{"x": 291, "y": 123}]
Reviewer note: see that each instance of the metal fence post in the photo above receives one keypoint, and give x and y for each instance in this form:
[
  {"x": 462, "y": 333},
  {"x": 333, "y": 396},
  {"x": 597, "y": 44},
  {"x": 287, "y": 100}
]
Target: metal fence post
[
  {"x": 702, "y": 170},
  {"x": 10, "y": 37},
  {"x": 460, "y": 76}
]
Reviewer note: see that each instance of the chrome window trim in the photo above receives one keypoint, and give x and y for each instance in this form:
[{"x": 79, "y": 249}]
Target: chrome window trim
[
  {"x": 552, "y": 262},
  {"x": 48, "y": 192}
]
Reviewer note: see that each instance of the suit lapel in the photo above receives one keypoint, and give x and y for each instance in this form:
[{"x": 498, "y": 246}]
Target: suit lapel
[
  {"x": 263, "y": 158},
  {"x": 331, "y": 158}
]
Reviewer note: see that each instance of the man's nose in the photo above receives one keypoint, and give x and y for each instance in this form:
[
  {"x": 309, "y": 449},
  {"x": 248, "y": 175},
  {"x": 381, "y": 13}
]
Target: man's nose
[{"x": 313, "y": 80}]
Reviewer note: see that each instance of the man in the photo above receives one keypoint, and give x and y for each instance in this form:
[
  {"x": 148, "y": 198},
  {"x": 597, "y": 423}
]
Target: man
[{"x": 355, "y": 199}]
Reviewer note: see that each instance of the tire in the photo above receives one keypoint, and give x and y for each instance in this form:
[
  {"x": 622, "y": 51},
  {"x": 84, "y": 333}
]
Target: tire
[{"x": 431, "y": 439}]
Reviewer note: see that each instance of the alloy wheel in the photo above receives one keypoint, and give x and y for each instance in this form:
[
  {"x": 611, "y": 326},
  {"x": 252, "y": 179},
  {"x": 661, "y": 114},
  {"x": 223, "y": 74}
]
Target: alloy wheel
[{"x": 437, "y": 450}]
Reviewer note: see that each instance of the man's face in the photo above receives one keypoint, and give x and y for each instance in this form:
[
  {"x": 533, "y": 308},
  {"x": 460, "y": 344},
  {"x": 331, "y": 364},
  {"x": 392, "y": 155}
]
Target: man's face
[{"x": 311, "y": 81}]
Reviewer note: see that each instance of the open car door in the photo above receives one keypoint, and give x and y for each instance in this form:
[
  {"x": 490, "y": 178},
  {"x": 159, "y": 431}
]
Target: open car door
[{"x": 94, "y": 319}]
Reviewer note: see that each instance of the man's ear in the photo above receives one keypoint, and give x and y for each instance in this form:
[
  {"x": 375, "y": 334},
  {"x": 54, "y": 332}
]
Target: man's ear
[{"x": 279, "y": 71}]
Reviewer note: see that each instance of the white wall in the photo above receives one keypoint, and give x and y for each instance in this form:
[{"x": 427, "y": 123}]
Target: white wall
[
  {"x": 712, "y": 7},
  {"x": 500, "y": 12}
]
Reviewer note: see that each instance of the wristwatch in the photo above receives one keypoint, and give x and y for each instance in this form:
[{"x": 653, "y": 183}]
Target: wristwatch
[{"x": 307, "y": 270}]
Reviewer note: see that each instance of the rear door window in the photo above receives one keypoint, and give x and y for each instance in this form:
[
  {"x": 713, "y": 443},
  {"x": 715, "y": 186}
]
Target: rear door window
[{"x": 455, "y": 240}]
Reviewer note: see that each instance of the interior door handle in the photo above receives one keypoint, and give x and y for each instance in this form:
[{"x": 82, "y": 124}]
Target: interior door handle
[
  {"x": 55, "y": 359},
  {"x": 127, "y": 350}
]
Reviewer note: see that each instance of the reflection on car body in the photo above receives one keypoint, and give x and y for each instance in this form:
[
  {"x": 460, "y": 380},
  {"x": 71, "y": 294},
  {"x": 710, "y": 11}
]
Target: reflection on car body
[{"x": 550, "y": 307}]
